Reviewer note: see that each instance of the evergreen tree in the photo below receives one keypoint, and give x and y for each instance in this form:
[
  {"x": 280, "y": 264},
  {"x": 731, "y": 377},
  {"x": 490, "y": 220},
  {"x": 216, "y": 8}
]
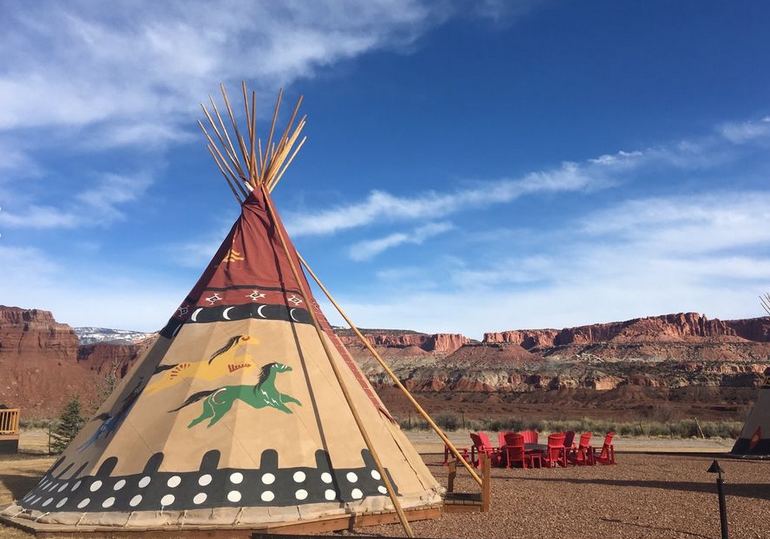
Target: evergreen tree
[{"x": 69, "y": 424}]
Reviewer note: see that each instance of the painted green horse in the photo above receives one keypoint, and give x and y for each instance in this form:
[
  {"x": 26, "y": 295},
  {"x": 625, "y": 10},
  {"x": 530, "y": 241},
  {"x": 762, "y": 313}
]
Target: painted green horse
[{"x": 219, "y": 401}]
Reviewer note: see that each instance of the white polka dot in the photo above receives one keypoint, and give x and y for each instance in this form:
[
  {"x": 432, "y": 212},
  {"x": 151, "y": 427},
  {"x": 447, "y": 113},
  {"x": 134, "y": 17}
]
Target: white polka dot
[
  {"x": 352, "y": 477},
  {"x": 43, "y": 483},
  {"x": 52, "y": 487},
  {"x": 96, "y": 485},
  {"x": 61, "y": 488},
  {"x": 299, "y": 477},
  {"x": 119, "y": 485},
  {"x": 357, "y": 494},
  {"x": 48, "y": 501},
  {"x": 330, "y": 494},
  {"x": 326, "y": 477},
  {"x": 204, "y": 480},
  {"x": 61, "y": 502},
  {"x": 109, "y": 502},
  {"x": 83, "y": 503},
  {"x": 168, "y": 499},
  {"x": 199, "y": 498},
  {"x": 382, "y": 490},
  {"x": 268, "y": 479},
  {"x": 144, "y": 481},
  {"x": 236, "y": 477},
  {"x": 234, "y": 496},
  {"x": 267, "y": 496},
  {"x": 174, "y": 481},
  {"x": 301, "y": 494},
  {"x": 136, "y": 500},
  {"x": 76, "y": 485},
  {"x": 376, "y": 475}
]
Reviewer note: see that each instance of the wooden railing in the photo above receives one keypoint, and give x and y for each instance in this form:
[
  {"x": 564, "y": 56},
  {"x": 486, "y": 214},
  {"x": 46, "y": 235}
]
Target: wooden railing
[{"x": 9, "y": 421}]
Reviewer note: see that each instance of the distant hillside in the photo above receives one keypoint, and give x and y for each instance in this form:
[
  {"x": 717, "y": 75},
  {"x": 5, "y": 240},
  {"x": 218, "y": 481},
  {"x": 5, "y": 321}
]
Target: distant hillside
[
  {"x": 91, "y": 335},
  {"x": 704, "y": 366}
]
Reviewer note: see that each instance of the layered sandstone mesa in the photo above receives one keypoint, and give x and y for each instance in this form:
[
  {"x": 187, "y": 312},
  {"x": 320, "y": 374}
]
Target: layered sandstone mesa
[
  {"x": 440, "y": 343},
  {"x": 680, "y": 327},
  {"x": 526, "y": 338},
  {"x": 101, "y": 357},
  {"x": 32, "y": 333},
  {"x": 38, "y": 362}
]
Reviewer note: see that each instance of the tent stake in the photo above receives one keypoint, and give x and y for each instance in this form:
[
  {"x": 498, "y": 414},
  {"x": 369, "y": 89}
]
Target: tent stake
[
  {"x": 392, "y": 375},
  {"x": 337, "y": 373}
]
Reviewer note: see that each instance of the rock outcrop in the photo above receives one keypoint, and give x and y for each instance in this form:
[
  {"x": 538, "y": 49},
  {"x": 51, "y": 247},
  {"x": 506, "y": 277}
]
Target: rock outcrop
[
  {"x": 681, "y": 327},
  {"x": 101, "y": 357},
  {"x": 33, "y": 333},
  {"x": 42, "y": 364},
  {"x": 440, "y": 343}
]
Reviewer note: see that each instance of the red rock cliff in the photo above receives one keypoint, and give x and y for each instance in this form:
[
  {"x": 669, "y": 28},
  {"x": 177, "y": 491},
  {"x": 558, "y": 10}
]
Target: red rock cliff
[
  {"x": 443, "y": 343},
  {"x": 32, "y": 333},
  {"x": 681, "y": 327}
]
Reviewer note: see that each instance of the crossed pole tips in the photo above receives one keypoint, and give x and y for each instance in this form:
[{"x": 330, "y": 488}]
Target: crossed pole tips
[{"x": 250, "y": 164}]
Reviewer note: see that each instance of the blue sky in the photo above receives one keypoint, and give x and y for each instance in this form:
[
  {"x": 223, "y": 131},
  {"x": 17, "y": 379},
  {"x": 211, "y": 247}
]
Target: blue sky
[{"x": 470, "y": 166}]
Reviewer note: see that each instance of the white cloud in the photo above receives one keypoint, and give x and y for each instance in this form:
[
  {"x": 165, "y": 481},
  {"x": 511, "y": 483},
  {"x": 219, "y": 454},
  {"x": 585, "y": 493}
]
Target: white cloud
[
  {"x": 740, "y": 132},
  {"x": 641, "y": 257},
  {"x": 97, "y": 205},
  {"x": 382, "y": 206},
  {"x": 77, "y": 64},
  {"x": 86, "y": 296},
  {"x": 364, "y": 250}
]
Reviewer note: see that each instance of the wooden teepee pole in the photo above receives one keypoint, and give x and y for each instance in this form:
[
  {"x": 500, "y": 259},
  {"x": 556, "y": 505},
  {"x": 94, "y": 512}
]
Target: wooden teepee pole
[
  {"x": 392, "y": 375},
  {"x": 343, "y": 386}
]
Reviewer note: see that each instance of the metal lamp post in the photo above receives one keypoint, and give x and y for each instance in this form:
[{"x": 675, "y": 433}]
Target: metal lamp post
[{"x": 715, "y": 468}]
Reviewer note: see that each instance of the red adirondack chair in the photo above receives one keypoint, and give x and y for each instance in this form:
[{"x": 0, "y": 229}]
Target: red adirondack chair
[
  {"x": 530, "y": 436},
  {"x": 481, "y": 444},
  {"x": 501, "y": 439},
  {"x": 515, "y": 451},
  {"x": 569, "y": 438},
  {"x": 607, "y": 453},
  {"x": 583, "y": 454},
  {"x": 555, "y": 454}
]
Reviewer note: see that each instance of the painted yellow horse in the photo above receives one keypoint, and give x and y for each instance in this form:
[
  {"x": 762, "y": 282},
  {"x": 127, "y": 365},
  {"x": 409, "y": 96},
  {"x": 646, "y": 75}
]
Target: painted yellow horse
[{"x": 221, "y": 363}]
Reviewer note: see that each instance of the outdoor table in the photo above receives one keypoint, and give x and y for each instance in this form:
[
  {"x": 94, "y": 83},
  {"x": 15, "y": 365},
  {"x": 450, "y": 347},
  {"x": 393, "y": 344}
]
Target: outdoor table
[{"x": 535, "y": 448}]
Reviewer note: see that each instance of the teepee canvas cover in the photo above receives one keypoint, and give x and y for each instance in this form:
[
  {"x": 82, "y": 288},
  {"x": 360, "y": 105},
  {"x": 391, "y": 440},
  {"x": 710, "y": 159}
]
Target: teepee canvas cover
[
  {"x": 755, "y": 436},
  {"x": 236, "y": 416}
]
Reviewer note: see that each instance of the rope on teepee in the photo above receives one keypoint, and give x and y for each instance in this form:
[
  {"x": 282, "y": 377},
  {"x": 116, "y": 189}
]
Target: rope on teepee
[
  {"x": 42, "y": 515},
  {"x": 80, "y": 520}
]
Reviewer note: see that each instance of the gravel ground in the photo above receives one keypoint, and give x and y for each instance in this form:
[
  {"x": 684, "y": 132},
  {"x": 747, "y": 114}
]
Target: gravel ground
[{"x": 642, "y": 496}]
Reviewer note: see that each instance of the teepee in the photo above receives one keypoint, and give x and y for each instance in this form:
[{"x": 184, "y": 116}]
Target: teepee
[
  {"x": 247, "y": 412},
  {"x": 755, "y": 435}
]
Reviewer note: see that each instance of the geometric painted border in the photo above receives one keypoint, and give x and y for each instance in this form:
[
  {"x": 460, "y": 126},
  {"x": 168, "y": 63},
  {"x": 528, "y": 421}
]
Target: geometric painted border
[{"x": 151, "y": 490}]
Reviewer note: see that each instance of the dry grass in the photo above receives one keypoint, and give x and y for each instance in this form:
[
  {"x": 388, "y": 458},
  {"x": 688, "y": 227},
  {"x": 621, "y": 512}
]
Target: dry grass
[{"x": 642, "y": 496}]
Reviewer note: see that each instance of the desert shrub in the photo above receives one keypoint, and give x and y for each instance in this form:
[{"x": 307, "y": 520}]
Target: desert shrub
[
  {"x": 448, "y": 421},
  {"x": 35, "y": 423}
]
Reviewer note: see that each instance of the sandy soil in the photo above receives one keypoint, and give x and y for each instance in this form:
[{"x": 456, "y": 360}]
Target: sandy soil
[{"x": 666, "y": 496}]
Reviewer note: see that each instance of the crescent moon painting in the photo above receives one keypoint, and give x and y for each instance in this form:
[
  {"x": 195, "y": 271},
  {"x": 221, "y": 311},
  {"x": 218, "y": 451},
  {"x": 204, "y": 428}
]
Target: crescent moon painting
[
  {"x": 224, "y": 313},
  {"x": 195, "y": 314},
  {"x": 291, "y": 313},
  {"x": 259, "y": 311}
]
